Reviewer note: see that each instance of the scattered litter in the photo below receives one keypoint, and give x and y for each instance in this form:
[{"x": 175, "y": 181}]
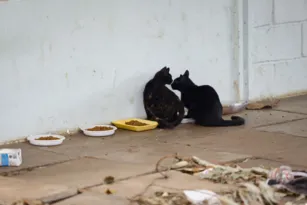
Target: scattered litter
[
  {"x": 298, "y": 186},
  {"x": 266, "y": 104},
  {"x": 163, "y": 198},
  {"x": 282, "y": 175},
  {"x": 109, "y": 180},
  {"x": 249, "y": 185},
  {"x": 234, "y": 108},
  {"x": 200, "y": 196},
  {"x": 246, "y": 193},
  {"x": 250, "y": 193},
  {"x": 205, "y": 172},
  {"x": 192, "y": 170},
  {"x": 108, "y": 192},
  {"x": 10, "y": 157},
  {"x": 180, "y": 164},
  {"x": 284, "y": 178}
]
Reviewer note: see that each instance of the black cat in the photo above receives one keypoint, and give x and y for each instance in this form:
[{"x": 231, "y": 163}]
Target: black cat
[
  {"x": 160, "y": 103},
  {"x": 203, "y": 103}
]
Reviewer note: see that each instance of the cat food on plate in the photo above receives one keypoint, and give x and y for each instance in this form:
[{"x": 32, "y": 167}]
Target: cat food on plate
[
  {"x": 99, "y": 130},
  {"x": 46, "y": 140},
  {"x": 135, "y": 124}
]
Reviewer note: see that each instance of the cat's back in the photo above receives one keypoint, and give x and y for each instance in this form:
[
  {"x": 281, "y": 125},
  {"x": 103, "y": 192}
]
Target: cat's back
[
  {"x": 207, "y": 93},
  {"x": 206, "y": 89},
  {"x": 152, "y": 88},
  {"x": 149, "y": 86}
]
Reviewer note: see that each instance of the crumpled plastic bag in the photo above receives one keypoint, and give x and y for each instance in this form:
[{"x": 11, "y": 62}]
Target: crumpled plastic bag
[
  {"x": 198, "y": 197},
  {"x": 284, "y": 178}
]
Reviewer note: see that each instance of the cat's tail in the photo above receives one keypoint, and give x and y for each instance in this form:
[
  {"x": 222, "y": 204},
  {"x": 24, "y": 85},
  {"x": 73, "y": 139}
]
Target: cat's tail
[
  {"x": 235, "y": 121},
  {"x": 176, "y": 120}
]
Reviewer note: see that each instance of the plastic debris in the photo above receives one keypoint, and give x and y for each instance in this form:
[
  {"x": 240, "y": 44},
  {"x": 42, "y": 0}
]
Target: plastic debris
[
  {"x": 230, "y": 175},
  {"x": 205, "y": 172},
  {"x": 10, "y": 157},
  {"x": 249, "y": 193},
  {"x": 234, "y": 108},
  {"x": 163, "y": 198},
  {"x": 284, "y": 178},
  {"x": 199, "y": 197},
  {"x": 298, "y": 186},
  {"x": 249, "y": 186},
  {"x": 282, "y": 175}
]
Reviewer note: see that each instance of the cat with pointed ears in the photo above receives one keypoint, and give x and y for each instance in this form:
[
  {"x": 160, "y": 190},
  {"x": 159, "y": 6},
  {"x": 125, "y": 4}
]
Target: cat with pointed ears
[
  {"x": 203, "y": 103},
  {"x": 160, "y": 103}
]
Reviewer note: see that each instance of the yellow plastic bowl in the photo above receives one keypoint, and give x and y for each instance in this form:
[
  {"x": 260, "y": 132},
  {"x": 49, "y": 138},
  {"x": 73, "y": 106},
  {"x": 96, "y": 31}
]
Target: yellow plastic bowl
[{"x": 122, "y": 125}]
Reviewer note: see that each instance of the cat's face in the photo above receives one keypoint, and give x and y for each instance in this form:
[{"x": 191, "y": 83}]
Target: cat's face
[
  {"x": 181, "y": 81},
  {"x": 165, "y": 76}
]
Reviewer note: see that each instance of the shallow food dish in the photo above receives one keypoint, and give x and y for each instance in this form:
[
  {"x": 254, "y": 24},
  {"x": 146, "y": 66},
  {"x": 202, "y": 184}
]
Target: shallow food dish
[
  {"x": 187, "y": 120},
  {"x": 99, "y": 130},
  {"x": 46, "y": 139},
  {"x": 135, "y": 124}
]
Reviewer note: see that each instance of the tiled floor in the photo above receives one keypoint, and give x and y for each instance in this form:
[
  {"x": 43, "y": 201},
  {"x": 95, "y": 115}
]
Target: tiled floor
[{"x": 270, "y": 137}]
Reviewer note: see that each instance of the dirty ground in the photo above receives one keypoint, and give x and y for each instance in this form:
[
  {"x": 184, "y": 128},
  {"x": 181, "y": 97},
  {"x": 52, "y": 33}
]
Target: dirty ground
[{"x": 75, "y": 172}]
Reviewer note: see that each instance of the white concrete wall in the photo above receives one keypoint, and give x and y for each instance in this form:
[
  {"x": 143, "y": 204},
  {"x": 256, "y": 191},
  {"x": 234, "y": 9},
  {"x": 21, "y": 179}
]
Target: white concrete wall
[
  {"x": 277, "y": 47},
  {"x": 67, "y": 63}
]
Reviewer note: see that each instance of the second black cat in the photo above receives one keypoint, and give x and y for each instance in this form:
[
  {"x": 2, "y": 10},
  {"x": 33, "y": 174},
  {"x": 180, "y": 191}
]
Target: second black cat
[{"x": 203, "y": 103}]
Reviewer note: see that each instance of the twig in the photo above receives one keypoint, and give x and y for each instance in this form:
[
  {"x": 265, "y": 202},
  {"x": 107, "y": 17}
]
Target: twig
[{"x": 175, "y": 156}]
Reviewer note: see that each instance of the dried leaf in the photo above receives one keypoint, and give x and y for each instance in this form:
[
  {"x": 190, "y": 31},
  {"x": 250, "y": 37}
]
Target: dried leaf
[{"x": 108, "y": 192}]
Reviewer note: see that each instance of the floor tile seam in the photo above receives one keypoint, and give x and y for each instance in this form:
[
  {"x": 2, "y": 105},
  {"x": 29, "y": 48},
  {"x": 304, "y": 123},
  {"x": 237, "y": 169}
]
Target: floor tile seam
[
  {"x": 30, "y": 169},
  {"x": 280, "y": 132},
  {"x": 279, "y": 123},
  {"x": 88, "y": 187},
  {"x": 288, "y": 111}
]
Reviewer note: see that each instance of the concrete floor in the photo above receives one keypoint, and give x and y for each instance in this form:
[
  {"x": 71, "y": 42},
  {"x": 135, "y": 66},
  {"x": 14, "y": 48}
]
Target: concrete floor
[{"x": 78, "y": 166}]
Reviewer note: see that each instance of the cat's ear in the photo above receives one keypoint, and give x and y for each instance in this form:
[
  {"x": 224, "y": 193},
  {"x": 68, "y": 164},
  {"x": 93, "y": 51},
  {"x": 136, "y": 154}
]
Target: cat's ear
[
  {"x": 186, "y": 73},
  {"x": 165, "y": 69}
]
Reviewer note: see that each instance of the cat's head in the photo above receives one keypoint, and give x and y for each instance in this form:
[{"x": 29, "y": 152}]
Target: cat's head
[
  {"x": 182, "y": 81},
  {"x": 164, "y": 76}
]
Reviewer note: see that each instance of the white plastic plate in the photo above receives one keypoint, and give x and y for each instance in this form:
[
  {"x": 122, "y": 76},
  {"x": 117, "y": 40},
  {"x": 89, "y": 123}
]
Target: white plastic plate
[
  {"x": 32, "y": 140},
  {"x": 187, "y": 120},
  {"x": 98, "y": 133}
]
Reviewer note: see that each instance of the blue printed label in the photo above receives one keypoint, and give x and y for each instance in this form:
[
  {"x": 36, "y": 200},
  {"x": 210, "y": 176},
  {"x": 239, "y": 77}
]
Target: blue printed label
[{"x": 4, "y": 160}]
